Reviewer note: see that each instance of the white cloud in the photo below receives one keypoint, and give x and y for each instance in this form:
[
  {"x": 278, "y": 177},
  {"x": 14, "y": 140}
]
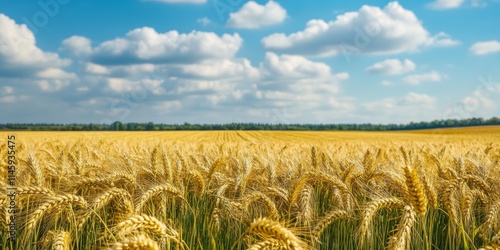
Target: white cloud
[
  {"x": 167, "y": 106},
  {"x": 392, "y": 67},
  {"x": 474, "y": 103},
  {"x": 387, "y": 83},
  {"x": 8, "y": 99},
  {"x": 204, "y": 21},
  {"x": 140, "y": 87},
  {"x": 119, "y": 85},
  {"x": 291, "y": 66},
  {"x": 484, "y": 48},
  {"x": 446, "y": 4},
  {"x": 296, "y": 82},
  {"x": 77, "y": 45},
  {"x": 381, "y": 105},
  {"x": 96, "y": 69},
  {"x": 478, "y": 3},
  {"x": 56, "y": 73},
  {"x": 13, "y": 98},
  {"x": 413, "y": 98},
  {"x": 370, "y": 30},
  {"x": 442, "y": 39},
  {"x": 132, "y": 70},
  {"x": 178, "y": 1},
  {"x": 432, "y": 76},
  {"x": 339, "y": 104},
  {"x": 145, "y": 45},
  {"x": 52, "y": 85},
  {"x": 252, "y": 15},
  {"x": 220, "y": 69},
  {"x": 19, "y": 55},
  {"x": 6, "y": 90}
]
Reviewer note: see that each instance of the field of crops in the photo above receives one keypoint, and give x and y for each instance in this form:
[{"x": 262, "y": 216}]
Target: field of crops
[{"x": 437, "y": 189}]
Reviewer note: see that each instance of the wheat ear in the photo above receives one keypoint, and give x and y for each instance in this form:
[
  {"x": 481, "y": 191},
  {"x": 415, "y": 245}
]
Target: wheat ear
[
  {"x": 143, "y": 221},
  {"x": 34, "y": 191},
  {"x": 371, "y": 209},
  {"x": 450, "y": 201},
  {"x": 139, "y": 242},
  {"x": 327, "y": 220},
  {"x": 268, "y": 229},
  {"x": 54, "y": 202},
  {"x": 415, "y": 191},
  {"x": 61, "y": 240},
  {"x": 164, "y": 188},
  {"x": 401, "y": 240},
  {"x": 267, "y": 244}
]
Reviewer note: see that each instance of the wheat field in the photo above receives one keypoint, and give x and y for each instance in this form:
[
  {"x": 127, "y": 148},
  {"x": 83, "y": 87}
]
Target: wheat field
[{"x": 436, "y": 189}]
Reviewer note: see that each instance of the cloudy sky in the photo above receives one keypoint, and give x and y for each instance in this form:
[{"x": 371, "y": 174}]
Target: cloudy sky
[{"x": 222, "y": 61}]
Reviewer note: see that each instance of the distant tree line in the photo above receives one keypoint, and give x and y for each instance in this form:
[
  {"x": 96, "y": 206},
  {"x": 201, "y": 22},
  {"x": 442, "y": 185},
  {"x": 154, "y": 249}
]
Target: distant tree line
[{"x": 150, "y": 126}]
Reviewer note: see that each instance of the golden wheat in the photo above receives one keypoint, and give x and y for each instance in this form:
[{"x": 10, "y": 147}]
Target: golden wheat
[
  {"x": 327, "y": 220},
  {"x": 54, "y": 203},
  {"x": 415, "y": 191},
  {"x": 210, "y": 190},
  {"x": 401, "y": 239},
  {"x": 139, "y": 242},
  {"x": 372, "y": 208},
  {"x": 164, "y": 188},
  {"x": 268, "y": 229}
]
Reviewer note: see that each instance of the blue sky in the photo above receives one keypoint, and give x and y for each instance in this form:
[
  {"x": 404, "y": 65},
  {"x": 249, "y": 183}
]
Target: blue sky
[{"x": 222, "y": 61}]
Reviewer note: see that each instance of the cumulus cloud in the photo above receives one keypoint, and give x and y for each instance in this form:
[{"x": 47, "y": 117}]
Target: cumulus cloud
[
  {"x": 119, "y": 84},
  {"x": 445, "y": 4},
  {"x": 252, "y": 15},
  {"x": 77, "y": 45},
  {"x": 145, "y": 45},
  {"x": 432, "y": 76},
  {"x": 278, "y": 81},
  {"x": 19, "y": 55},
  {"x": 291, "y": 66},
  {"x": 296, "y": 82},
  {"x": 392, "y": 67},
  {"x": 484, "y": 48},
  {"x": 370, "y": 30}
]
